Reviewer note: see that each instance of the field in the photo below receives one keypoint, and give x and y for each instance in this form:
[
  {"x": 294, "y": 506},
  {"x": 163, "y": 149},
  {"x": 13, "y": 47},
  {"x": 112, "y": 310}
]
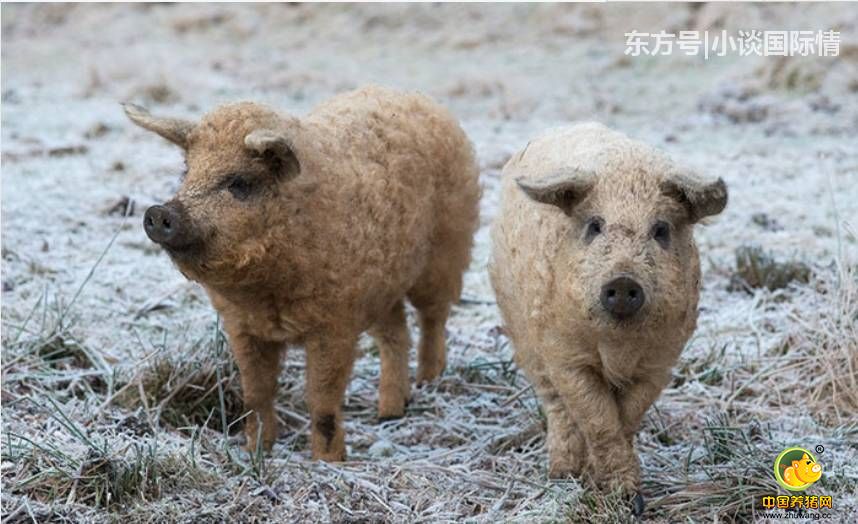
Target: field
[{"x": 120, "y": 401}]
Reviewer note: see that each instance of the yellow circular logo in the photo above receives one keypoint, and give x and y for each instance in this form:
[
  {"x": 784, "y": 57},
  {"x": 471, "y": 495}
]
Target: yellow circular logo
[{"x": 796, "y": 469}]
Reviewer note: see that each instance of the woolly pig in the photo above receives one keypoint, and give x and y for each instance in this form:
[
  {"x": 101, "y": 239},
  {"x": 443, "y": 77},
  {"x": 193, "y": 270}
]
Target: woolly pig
[
  {"x": 597, "y": 276},
  {"x": 313, "y": 230}
]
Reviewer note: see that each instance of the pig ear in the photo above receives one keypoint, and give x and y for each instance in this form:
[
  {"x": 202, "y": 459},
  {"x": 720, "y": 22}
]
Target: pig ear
[
  {"x": 700, "y": 197},
  {"x": 564, "y": 189},
  {"x": 173, "y": 129},
  {"x": 275, "y": 149}
]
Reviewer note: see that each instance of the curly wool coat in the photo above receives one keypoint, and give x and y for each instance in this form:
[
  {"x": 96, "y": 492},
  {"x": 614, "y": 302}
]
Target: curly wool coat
[
  {"x": 312, "y": 230},
  {"x": 581, "y": 206}
]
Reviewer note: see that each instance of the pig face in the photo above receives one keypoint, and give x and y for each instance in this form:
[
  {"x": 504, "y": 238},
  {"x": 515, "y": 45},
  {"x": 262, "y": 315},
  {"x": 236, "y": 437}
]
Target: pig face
[
  {"x": 628, "y": 257},
  {"x": 806, "y": 469},
  {"x": 223, "y": 222}
]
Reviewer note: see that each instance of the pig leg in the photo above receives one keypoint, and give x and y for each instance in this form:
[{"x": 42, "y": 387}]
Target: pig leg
[
  {"x": 432, "y": 351},
  {"x": 612, "y": 460},
  {"x": 391, "y": 335},
  {"x": 329, "y": 365},
  {"x": 259, "y": 365},
  {"x": 435, "y": 290},
  {"x": 635, "y": 399},
  {"x": 567, "y": 454}
]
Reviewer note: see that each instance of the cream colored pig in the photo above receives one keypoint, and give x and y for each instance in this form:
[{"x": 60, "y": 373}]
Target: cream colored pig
[{"x": 597, "y": 276}]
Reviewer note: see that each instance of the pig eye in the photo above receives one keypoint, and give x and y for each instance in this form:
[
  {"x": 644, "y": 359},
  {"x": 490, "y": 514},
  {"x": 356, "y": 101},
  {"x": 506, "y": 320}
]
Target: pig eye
[
  {"x": 593, "y": 229},
  {"x": 661, "y": 234},
  {"x": 240, "y": 187}
]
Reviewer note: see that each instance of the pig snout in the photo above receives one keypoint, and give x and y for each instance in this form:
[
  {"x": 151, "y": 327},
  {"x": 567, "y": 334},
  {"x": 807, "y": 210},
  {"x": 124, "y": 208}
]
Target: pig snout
[
  {"x": 167, "y": 225},
  {"x": 622, "y": 297}
]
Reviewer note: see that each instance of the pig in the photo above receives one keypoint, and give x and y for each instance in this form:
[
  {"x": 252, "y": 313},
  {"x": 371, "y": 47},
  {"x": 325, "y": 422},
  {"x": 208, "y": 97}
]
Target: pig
[
  {"x": 597, "y": 277},
  {"x": 802, "y": 472},
  {"x": 310, "y": 231}
]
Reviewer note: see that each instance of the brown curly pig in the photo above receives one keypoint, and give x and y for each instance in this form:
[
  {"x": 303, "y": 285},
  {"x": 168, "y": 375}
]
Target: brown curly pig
[
  {"x": 310, "y": 231},
  {"x": 597, "y": 276}
]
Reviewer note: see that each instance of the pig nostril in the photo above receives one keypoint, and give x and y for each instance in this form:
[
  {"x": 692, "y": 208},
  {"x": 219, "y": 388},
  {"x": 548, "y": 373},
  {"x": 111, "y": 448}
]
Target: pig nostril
[
  {"x": 622, "y": 297},
  {"x": 164, "y": 226}
]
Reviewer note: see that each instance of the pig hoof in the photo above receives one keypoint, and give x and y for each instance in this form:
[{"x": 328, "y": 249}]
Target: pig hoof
[
  {"x": 638, "y": 504},
  {"x": 392, "y": 410},
  {"x": 331, "y": 457},
  {"x": 253, "y": 448},
  {"x": 428, "y": 374},
  {"x": 562, "y": 473}
]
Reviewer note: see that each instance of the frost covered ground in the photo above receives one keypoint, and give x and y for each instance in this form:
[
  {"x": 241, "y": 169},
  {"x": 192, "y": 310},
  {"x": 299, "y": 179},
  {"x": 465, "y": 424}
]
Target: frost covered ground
[{"x": 118, "y": 395}]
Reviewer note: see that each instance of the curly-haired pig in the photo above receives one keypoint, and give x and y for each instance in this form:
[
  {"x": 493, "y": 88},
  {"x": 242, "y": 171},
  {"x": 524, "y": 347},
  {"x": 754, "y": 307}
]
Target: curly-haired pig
[
  {"x": 312, "y": 230},
  {"x": 597, "y": 277}
]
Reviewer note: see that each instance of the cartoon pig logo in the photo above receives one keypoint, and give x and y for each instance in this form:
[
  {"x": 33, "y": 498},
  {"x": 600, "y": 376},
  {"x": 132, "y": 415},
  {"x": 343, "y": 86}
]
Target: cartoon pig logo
[
  {"x": 796, "y": 469},
  {"x": 804, "y": 471}
]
